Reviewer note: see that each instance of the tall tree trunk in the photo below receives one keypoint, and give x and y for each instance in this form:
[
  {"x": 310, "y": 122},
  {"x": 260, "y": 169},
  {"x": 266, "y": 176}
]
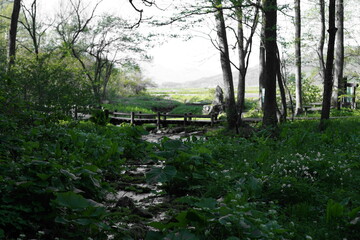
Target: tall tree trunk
[
  {"x": 13, "y": 31},
  {"x": 328, "y": 80},
  {"x": 298, "y": 95},
  {"x": 30, "y": 17},
  {"x": 242, "y": 65},
  {"x": 283, "y": 113},
  {"x": 320, "y": 49},
  {"x": 106, "y": 78},
  {"x": 262, "y": 64},
  {"x": 270, "y": 106},
  {"x": 339, "y": 55},
  {"x": 229, "y": 93},
  {"x": 244, "y": 51}
]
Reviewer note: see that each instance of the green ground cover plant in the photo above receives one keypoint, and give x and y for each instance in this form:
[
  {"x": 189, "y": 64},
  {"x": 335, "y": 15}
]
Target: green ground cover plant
[
  {"x": 56, "y": 178},
  {"x": 301, "y": 185}
]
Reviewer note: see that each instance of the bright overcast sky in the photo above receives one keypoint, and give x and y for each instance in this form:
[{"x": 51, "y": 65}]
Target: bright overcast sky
[{"x": 175, "y": 60}]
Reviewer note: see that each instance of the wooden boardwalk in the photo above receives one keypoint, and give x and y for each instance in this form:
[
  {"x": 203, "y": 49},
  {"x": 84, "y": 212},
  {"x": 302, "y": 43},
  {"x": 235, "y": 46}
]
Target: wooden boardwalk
[{"x": 163, "y": 119}]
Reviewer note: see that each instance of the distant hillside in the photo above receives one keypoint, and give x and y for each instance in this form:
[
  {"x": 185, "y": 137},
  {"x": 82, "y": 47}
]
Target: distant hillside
[{"x": 252, "y": 79}]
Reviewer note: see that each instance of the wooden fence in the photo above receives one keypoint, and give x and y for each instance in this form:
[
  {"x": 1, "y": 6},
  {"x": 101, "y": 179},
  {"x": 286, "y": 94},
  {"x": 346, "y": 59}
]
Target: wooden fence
[{"x": 162, "y": 119}]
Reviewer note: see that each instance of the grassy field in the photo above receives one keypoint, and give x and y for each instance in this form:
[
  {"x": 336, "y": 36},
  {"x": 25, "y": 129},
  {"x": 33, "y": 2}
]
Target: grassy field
[
  {"x": 178, "y": 101},
  {"x": 191, "y": 94}
]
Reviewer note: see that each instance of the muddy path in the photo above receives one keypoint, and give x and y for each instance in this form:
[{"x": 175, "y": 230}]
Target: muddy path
[{"x": 138, "y": 201}]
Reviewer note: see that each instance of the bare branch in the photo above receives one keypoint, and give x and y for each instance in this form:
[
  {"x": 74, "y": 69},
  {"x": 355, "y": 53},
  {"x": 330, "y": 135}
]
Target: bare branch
[
  {"x": 6, "y": 17},
  {"x": 140, "y": 11}
]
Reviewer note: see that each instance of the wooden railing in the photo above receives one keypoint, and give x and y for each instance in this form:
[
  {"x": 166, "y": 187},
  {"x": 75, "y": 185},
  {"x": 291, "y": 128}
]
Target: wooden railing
[{"x": 162, "y": 119}]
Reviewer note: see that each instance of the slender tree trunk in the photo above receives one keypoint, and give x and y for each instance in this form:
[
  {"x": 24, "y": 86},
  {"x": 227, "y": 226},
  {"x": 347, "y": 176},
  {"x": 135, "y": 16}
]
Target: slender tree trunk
[
  {"x": 328, "y": 80},
  {"x": 229, "y": 94},
  {"x": 270, "y": 106},
  {"x": 298, "y": 107},
  {"x": 106, "y": 78},
  {"x": 242, "y": 65},
  {"x": 13, "y": 31},
  {"x": 320, "y": 50},
  {"x": 287, "y": 91},
  {"x": 339, "y": 55},
  {"x": 262, "y": 64},
  {"x": 31, "y": 26},
  {"x": 281, "y": 85},
  {"x": 244, "y": 51}
]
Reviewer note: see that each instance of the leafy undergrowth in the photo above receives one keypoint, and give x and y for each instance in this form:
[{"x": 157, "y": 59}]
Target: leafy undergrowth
[
  {"x": 302, "y": 185},
  {"x": 56, "y": 179}
]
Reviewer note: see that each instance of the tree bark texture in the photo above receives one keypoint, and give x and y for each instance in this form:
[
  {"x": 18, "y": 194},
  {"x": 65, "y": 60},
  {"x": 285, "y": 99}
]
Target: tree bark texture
[
  {"x": 244, "y": 51},
  {"x": 270, "y": 106},
  {"x": 283, "y": 113},
  {"x": 262, "y": 74},
  {"x": 13, "y": 31},
  {"x": 339, "y": 55},
  {"x": 321, "y": 44},
  {"x": 298, "y": 81},
  {"x": 229, "y": 93},
  {"x": 328, "y": 80},
  {"x": 242, "y": 65}
]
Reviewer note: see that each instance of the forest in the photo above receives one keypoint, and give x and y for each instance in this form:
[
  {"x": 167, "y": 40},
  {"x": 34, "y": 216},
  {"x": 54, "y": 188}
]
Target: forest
[{"x": 282, "y": 165}]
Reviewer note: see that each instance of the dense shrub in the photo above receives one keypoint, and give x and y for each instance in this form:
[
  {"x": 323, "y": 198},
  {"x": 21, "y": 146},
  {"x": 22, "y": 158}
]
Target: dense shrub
[{"x": 55, "y": 177}]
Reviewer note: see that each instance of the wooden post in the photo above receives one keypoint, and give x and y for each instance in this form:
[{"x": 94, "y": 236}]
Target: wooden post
[
  {"x": 185, "y": 119},
  {"x": 140, "y": 115},
  {"x": 190, "y": 118},
  {"x": 158, "y": 121},
  {"x": 164, "y": 120},
  {"x": 212, "y": 119},
  {"x": 132, "y": 118}
]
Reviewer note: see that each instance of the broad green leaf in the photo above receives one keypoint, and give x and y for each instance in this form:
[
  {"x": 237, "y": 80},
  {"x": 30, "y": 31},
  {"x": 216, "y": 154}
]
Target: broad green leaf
[
  {"x": 158, "y": 225},
  {"x": 91, "y": 169},
  {"x": 194, "y": 216},
  {"x": 153, "y": 236},
  {"x": 254, "y": 184},
  {"x": 69, "y": 174},
  {"x": 354, "y": 212},
  {"x": 61, "y": 220},
  {"x": 72, "y": 200},
  {"x": 224, "y": 220},
  {"x": 97, "y": 212},
  {"x": 43, "y": 176},
  {"x": 181, "y": 217},
  {"x": 181, "y": 235},
  {"x": 39, "y": 163},
  {"x": 173, "y": 145},
  {"x": 84, "y": 221},
  {"x": 209, "y": 203},
  {"x": 161, "y": 174}
]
